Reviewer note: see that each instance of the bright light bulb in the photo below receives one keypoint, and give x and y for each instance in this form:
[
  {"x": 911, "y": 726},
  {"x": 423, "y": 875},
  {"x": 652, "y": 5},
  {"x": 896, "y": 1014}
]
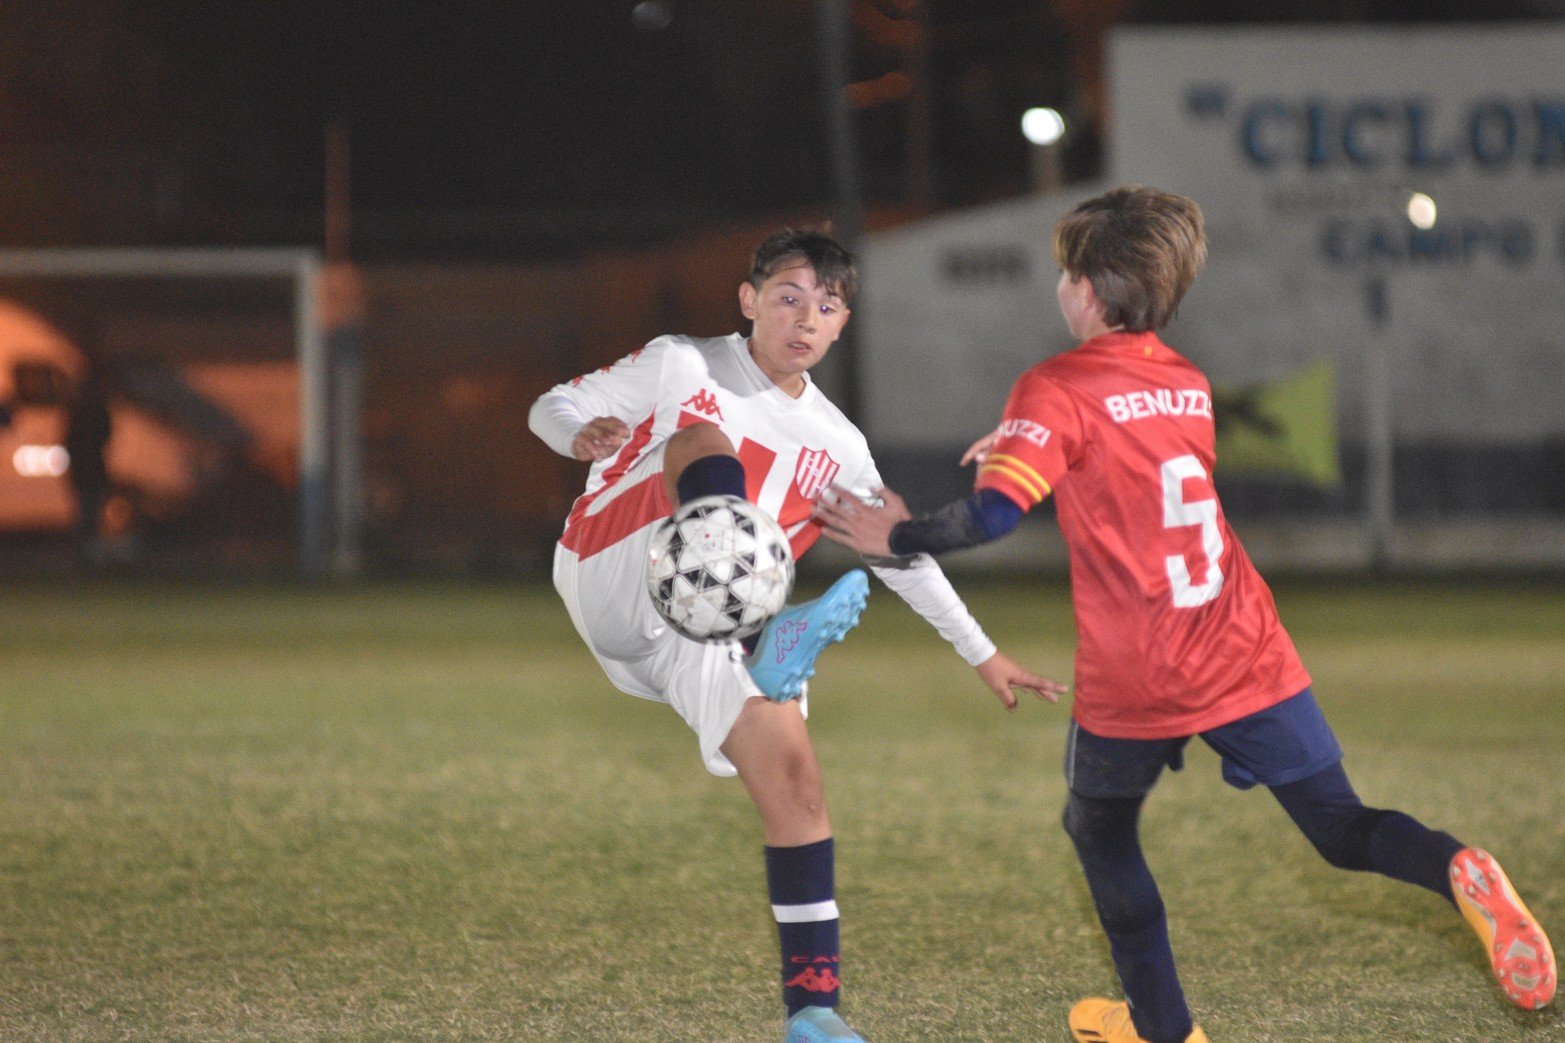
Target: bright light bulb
[{"x": 1042, "y": 126}]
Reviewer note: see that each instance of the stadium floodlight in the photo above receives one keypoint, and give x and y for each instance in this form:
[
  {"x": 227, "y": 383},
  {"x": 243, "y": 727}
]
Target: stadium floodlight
[
  {"x": 301, "y": 268},
  {"x": 1043, "y": 129},
  {"x": 1042, "y": 126}
]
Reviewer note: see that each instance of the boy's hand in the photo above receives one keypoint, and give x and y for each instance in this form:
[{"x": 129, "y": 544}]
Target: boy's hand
[
  {"x": 863, "y": 526},
  {"x": 979, "y": 450},
  {"x": 599, "y": 437},
  {"x": 1001, "y": 673}
]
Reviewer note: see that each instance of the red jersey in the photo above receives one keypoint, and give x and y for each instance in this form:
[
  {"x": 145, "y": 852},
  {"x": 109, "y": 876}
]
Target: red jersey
[{"x": 1176, "y": 630}]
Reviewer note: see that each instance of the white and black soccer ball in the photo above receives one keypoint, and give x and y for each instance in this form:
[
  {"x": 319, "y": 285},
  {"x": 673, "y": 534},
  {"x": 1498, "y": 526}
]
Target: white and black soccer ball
[{"x": 720, "y": 569}]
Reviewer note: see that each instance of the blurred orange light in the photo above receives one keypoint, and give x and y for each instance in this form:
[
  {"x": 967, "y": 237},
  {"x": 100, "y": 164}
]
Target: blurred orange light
[{"x": 40, "y": 461}]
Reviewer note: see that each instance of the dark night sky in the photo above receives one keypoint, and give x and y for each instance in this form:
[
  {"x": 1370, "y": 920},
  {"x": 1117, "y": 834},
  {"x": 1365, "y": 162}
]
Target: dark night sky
[
  {"x": 202, "y": 120},
  {"x": 183, "y": 113}
]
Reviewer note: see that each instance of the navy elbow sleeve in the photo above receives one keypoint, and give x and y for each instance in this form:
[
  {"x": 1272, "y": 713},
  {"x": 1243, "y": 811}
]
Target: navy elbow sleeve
[
  {"x": 998, "y": 513},
  {"x": 986, "y": 515}
]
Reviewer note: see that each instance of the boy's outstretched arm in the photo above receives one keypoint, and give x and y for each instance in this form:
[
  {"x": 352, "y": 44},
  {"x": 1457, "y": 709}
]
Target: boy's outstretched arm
[
  {"x": 866, "y": 528},
  {"x": 890, "y": 528},
  {"x": 1002, "y": 673}
]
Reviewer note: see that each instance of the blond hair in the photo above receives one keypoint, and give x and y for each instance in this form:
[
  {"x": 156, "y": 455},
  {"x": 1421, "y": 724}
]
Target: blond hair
[{"x": 1141, "y": 249}]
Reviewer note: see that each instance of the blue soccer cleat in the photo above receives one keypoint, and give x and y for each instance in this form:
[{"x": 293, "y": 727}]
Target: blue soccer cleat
[
  {"x": 785, "y": 653},
  {"x": 819, "y": 1025}
]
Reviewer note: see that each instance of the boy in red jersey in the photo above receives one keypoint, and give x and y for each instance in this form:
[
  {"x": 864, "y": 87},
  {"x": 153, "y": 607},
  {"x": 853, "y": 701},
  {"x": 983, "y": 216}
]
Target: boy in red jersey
[{"x": 1178, "y": 635}]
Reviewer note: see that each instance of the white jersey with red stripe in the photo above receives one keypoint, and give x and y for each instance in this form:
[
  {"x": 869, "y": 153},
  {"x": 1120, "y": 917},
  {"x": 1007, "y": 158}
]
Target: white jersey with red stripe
[{"x": 791, "y": 448}]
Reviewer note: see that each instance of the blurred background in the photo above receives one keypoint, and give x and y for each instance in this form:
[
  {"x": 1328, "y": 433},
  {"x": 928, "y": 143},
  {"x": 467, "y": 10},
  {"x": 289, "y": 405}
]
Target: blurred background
[{"x": 278, "y": 282}]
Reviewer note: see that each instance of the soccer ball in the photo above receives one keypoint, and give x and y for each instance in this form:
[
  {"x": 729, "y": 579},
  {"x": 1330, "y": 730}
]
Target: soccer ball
[{"x": 720, "y": 568}]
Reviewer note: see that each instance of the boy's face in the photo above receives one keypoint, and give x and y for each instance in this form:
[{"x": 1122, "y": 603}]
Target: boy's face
[{"x": 796, "y": 321}]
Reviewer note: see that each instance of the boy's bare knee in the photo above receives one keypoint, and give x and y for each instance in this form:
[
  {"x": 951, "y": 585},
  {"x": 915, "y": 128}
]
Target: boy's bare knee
[
  {"x": 777, "y": 764},
  {"x": 793, "y": 774},
  {"x": 802, "y": 779},
  {"x": 688, "y": 445},
  {"x": 700, "y": 439}
]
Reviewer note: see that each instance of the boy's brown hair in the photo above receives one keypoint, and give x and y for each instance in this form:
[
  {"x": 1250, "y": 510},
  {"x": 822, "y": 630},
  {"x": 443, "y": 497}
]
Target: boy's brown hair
[
  {"x": 1140, "y": 247},
  {"x": 834, "y": 266}
]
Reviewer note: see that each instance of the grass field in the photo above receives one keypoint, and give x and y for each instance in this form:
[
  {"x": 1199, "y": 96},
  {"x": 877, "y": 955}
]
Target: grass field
[{"x": 418, "y": 812}]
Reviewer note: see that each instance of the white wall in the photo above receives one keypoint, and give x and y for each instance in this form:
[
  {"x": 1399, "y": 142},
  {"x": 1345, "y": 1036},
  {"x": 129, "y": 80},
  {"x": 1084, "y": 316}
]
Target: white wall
[
  {"x": 953, "y": 311},
  {"x": 1302, "y": 145}
]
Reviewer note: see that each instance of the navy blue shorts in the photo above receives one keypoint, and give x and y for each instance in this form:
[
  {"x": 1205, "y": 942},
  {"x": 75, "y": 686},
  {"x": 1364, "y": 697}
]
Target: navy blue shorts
[{"x": 1275, "y": 746}]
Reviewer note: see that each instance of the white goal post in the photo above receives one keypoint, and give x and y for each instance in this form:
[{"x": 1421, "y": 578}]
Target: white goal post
[{"x": 322, "y": 544}]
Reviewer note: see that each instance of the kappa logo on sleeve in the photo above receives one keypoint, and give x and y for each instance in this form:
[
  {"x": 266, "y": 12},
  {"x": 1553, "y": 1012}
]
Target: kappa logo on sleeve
[
  {"x": 703, "y": 402},
  {"x": 632, "y": 357},
  {"x": 1030, "y": 430}
]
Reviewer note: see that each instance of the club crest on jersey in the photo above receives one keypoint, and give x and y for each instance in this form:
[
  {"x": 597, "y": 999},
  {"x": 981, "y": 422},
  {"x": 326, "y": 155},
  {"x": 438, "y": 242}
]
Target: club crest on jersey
[
  {"x": 815, "y": 472},
  {"x": 703, "y": 402}
]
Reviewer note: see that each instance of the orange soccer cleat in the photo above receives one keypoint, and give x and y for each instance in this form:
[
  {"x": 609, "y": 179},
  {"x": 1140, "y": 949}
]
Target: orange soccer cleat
[
  {"x": 1105, "y": 1021},
  {"x": 1518, "y": 949}
]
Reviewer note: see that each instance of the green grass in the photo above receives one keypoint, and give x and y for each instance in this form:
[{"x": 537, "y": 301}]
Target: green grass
[{"x": 418, "y": 812}]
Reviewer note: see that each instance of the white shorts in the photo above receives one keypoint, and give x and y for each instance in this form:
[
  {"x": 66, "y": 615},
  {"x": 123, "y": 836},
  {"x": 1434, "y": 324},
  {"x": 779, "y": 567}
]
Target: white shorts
[{"x": 606, "y": 596}]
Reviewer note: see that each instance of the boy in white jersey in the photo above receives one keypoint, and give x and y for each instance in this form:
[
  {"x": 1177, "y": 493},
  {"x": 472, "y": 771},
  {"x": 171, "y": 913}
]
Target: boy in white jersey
[{"x": 685, "y": 417}]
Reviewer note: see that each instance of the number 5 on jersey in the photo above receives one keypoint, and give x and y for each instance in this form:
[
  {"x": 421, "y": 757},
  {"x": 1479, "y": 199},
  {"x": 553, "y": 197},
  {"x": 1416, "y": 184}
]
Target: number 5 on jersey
[{"x": 1179, "y": 513}]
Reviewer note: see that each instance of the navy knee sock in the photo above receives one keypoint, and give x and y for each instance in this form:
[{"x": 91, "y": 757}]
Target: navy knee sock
[
  {"x": 1351, "y": 836},
  {"x": 716, "y": 475},
  {"x": 1405, "y": 849},
  {"x": 802, "y": 882},
  {"x": 1131, "y": 912}
]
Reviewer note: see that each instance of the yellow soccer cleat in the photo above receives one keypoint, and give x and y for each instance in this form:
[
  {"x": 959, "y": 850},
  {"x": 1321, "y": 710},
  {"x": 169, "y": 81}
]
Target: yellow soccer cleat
[
  {"x": 1105, "y": 1021},
  {"x": 1518, "y": 949}
]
